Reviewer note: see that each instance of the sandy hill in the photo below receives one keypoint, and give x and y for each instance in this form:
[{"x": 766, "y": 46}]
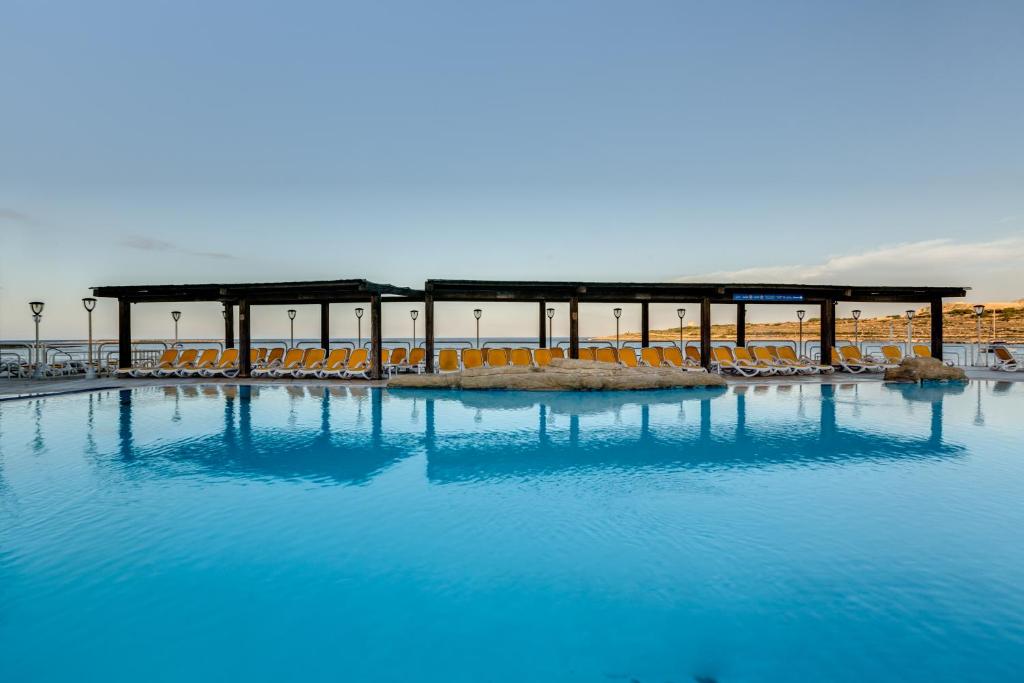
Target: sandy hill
[{"x": 958, "y": 322}]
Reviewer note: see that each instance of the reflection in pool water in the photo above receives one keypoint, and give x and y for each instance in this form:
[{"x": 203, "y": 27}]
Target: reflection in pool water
[{"x": 801, "y": 532}]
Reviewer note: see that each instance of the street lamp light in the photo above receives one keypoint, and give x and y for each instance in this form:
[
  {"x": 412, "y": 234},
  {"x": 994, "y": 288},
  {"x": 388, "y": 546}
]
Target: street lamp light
[
  {"x": 414, "y": 314},
  {"x": 979, "y": 310},
  {"x": 37, "y": 316},
  {"x": 291, "y": 318},
  {"x": 800, "y": 344},
  {"x": 617, "y": 312},
  {"x": 551, "y": 317},
  {"x": 176, "y": 315},
  {"x": 89, "y": 303},
  {"x": 359, "y": 327},
  {"x": 856, "y": 328},
  {"x": 681, "y": 312},
  {"x": 476, "y": 314},
  {"x": 910, "y": 331}
]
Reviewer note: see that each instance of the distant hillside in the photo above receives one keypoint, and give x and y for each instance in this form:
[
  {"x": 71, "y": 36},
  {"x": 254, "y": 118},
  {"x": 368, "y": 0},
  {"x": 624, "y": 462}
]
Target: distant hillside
[{"x": 958, "y": 326}]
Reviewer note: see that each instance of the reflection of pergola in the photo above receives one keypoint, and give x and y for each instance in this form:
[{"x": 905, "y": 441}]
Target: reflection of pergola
[
  {"x": 323, "y": 292},
  {"x": 824, "y": 296}
]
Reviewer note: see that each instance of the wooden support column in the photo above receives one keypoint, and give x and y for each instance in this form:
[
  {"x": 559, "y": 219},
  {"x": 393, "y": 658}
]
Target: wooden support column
[
  {"x": 124, "y": 333},
  {"x": 828, "y": 330},
  {"x": 705, "y": 332},
  {"x": 937, "y": 328},
  {"x": 645, "y": 323},
  {"x": 229, "y": 325},
  {"x": 428, "y": 333},
  {"x": 542, "y": 339},
  {"x": 376, "y": 367},
  {"x": 244, "y": 339},
  {"x": 741, "y": 324},
  {"x": 325, "y": 325},
  {"x": 574, "y": 327}
]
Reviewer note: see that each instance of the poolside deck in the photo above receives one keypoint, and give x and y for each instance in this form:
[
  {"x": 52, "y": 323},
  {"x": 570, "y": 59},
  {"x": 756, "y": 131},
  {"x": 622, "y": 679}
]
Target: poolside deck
[{"x": 28, "y": 388}]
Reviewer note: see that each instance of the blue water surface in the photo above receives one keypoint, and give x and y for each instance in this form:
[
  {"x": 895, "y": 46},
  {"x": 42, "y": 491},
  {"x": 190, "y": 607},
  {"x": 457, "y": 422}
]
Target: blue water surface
[{"x": 861, "y": 532}]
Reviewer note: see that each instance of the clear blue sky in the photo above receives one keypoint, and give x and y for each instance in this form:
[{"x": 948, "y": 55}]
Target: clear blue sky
[{"x": 195, "y": 141}]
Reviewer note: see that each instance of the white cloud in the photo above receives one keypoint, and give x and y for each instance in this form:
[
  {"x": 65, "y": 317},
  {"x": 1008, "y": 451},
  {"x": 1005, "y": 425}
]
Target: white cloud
[{"x": 992, "y": 268}]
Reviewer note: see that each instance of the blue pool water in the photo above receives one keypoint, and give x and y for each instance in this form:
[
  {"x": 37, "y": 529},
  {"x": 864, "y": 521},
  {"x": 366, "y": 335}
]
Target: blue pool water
[{"x": 785, "y": 533}]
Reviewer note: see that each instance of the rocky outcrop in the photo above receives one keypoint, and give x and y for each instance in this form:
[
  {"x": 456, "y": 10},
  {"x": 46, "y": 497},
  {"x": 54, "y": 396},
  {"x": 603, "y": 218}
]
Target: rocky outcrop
[
  {"x": 919, "y": 369},
  {"x": 562, "y": 375}
]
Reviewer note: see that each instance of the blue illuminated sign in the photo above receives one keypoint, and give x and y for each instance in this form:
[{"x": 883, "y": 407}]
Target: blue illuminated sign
[{"x": 768, "y": 297}]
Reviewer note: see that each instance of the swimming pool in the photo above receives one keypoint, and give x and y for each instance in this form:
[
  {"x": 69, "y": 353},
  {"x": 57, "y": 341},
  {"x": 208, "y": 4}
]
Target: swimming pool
[{"x": 843, "y": 533}]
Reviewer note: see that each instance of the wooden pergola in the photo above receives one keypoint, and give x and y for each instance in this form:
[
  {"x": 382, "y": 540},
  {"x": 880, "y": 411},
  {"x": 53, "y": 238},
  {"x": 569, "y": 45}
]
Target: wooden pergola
[
  {"x": 704, "y": 294},
  {"x": 246, "y": 295}
]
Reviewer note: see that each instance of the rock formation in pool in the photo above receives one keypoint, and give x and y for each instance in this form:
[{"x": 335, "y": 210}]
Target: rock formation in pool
[
  {"x": 918, "y": 369},
  {"x": 562, "y": 375}
]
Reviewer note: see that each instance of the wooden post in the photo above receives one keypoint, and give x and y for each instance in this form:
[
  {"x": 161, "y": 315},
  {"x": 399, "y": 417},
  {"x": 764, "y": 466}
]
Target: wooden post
[
  {"x": 325, "y": 325},
  {"x": 376, "y": 367},
  {"x": 229, "y": 325},
  {"x": 542, "y": 339},
  {"x": 428, "y": 333},
  {"x": 937, "y": 328},
  {"x": 741, "y": 324},
  {"x": 124, "y": 333},
  {"x": 645, "y": 323},
  {"x": 574, "y": 327},
  {"x": 828, "y": 330},
  {"x": 244, "y": 339},
  {"x": 705, "y": 332}
]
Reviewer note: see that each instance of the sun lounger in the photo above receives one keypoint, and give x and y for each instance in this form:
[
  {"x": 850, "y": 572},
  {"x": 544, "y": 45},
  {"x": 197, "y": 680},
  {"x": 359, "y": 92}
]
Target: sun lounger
[
  {"x": 397, "y": 360},
  {"x": 185, "y": 359},
  {"x": 852, "y": 354},
  {"x": 587, "y": 354},
  {"x": 521, "y": 357},
  {"x": 333, "y": 366},
  {"x": 447, "y": 361},
  {"x": 542, "y": 357},
  {"x": 166, "y": 361},
  {"x": 417, "y": 360},
  {"x": 1005, "y": 361},
  {"x": 472, "y": 358},
  {"x": 312, "y": 364},
  {"x": 226, "y": 365},
  {"x": 672, "y": 357},
  {"x": 289, "y": 362},
  {"x": 497, "y": 358},
  {"x": 804, "y": 366},
  {"x": 651, "y": 356},
  {"x": 206, "y": 359},
  {"x": 765, "y": 356},
  {"x": 627, "y": 357},
  {"x": 358, "y": 364}
]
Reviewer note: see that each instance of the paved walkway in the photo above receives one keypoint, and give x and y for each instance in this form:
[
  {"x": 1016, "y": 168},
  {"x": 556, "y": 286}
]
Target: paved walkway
[{"x": 24, "y": 388}]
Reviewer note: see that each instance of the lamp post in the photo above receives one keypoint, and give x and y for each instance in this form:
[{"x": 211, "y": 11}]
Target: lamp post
[
  {"x": 617, "y": 312},
  {"x": 910, "y": 331},
  {"x": 856, "y": 328},
  {"x": 681, "y": 312},
  {"x": 176, "y": 315},
  {"x": 89, "y": 303},
  {"x": 414, "y": 314},
  {"x": 979, "y": 310},
  {"x": 37, "y": 316},
  {"x": 551, "y": 317},
  {"x": 291, "y": 319},
  {"x": 800, "y": 344},
  {"x": 359, "y": 327},
  {"x": 476, "y": 314}
]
